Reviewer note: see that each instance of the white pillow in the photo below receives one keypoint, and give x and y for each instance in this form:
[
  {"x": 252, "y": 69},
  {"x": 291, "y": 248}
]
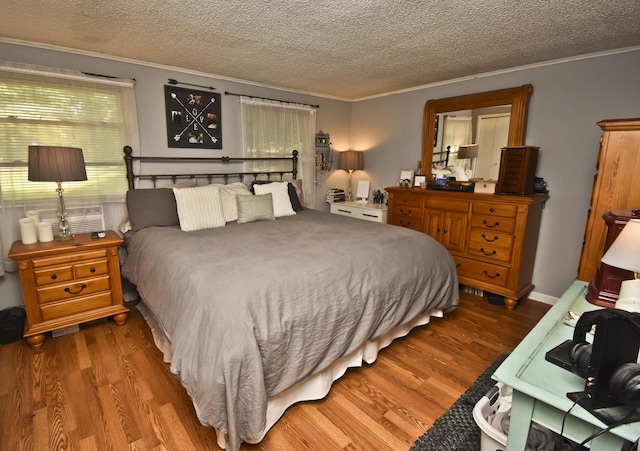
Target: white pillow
[
  {"x": 199, "y": 207},
  {"x": 228, "y": 195},
  {"x": 280, "y": 193}
]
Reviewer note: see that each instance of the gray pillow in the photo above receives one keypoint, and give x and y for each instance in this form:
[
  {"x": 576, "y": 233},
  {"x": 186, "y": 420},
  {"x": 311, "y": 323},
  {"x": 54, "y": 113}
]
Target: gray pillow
[
  {"x": 255, "y": 208},
  {"x": 152, "y": 207}
]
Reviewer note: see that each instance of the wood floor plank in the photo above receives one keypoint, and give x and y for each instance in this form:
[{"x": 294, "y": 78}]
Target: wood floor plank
[{"x": 106, "y": 387}]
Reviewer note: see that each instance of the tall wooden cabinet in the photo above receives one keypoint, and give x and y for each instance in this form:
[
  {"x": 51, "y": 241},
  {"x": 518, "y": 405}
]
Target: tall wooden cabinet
[
  {"x": 493, "y": 238},
  {"x": 616, "y": 185}
]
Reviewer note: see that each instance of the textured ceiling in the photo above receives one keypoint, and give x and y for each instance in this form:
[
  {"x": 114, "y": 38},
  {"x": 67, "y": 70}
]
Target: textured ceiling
[{"x": 347, "y": 49}]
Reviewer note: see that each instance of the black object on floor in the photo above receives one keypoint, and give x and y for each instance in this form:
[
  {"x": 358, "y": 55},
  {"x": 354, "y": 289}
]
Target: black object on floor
[{"x": 11, "y": 324}]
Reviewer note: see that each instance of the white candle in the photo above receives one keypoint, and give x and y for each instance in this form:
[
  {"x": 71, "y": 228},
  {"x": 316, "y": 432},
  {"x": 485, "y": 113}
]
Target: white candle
[
  {"x": 35, "y": 216},
  {"x": 45, "y": 232},
  {"x": 28, "y": 231}
]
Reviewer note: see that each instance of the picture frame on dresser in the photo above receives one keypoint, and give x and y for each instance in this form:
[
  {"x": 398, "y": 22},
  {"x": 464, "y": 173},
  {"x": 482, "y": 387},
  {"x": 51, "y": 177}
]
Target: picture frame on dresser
[{"x": 405, "y": 178}]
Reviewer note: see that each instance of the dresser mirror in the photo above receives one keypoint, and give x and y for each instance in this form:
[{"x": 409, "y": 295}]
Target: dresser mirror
[{"x": 504, "y": 106}]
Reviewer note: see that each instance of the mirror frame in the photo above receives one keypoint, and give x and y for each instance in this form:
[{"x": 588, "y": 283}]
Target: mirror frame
[{"x": 517, "y": 97}]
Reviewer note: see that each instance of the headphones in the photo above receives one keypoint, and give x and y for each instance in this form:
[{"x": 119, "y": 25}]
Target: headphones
[{"x": 611, "y": 360}]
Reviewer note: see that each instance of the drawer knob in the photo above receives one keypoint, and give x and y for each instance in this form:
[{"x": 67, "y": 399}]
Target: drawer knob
[
  {"x": 54, "y": 277},
  {"x": 490, "y": 240},
  {"x": 92, "y": 270},
  {"x": 488, "y": 254},
  {"x": 496, "y": 224},
  {"x": 82, "y": 287},
  {"x": 492, "y": 209},
  {"x": 491, "y": 277}
]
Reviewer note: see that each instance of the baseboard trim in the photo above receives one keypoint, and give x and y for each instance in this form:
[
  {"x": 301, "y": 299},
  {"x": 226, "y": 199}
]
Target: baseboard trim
[{"x": 540, "y": 297}]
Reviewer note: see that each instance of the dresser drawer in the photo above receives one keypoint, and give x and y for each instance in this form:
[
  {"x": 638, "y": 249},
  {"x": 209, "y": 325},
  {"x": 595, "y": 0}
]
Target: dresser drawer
[
  {"x": 494, "y": 209},
  {"x": 408, "y": 222},
  {"x": 447, "y": 204},
  {"x": 68, "y": 258},
  {"x": 489, "y": 251},
  {"x": 76, "y": 288},
  {"x": 491, "y": 238},
  {"x": 499, "y": 224},
  {"x": 73, "y": 306},
  {"x": 407, "y": 199},
  {"x": 483, "y": 272}
]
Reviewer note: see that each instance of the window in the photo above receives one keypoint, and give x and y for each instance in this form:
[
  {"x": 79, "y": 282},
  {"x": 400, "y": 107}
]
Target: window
[
  {"x": 64, "y": 109},
  {"x": 275, "y": 129}
]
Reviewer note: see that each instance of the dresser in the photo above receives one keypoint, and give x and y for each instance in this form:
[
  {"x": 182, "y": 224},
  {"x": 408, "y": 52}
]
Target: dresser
[
  {"x": 359, "y": 210},
  {"x": 493, "y": 238},
  {"x": 68, "y": 282},
  {"x": 615, "y": 185}
]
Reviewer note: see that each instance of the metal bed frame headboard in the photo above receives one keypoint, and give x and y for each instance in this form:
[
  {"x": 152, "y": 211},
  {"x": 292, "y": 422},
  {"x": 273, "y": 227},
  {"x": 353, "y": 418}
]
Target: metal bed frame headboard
[{"x": 132, "y": 176}]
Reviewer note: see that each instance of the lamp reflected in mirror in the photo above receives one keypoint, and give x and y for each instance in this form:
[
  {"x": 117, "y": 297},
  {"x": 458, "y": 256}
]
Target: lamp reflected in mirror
[{"x": 468, "y": 153}]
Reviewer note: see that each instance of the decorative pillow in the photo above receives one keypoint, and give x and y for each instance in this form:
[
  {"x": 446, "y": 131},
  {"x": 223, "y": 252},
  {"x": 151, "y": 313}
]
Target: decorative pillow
[
  {"x": 228, "y": 195},
  {"x": 297, "y": 184},
  {"x": 255, "y": 208},
  {"x": 151, "y": 207},
  {"x": 199, "y": 208},
  {"x": 125, "y": 224},
  {"x": 293, "y": 197},
  {"x": 281, "y": 202}
]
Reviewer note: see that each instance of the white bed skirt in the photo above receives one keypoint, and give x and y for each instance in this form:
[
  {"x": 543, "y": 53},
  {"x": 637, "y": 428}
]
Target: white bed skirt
[{"x": 313, "y": 387}]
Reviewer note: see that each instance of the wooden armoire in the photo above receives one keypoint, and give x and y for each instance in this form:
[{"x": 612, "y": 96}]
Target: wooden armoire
[{"x": 616, "y": 185}]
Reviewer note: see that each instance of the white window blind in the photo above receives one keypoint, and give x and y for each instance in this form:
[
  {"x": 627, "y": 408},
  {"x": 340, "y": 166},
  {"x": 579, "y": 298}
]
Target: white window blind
[{"x": 59, "y": 108}]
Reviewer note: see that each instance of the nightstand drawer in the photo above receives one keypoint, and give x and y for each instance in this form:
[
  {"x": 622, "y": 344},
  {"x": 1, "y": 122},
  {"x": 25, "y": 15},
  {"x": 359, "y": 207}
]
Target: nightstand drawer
[
  {"x": 89, "y": 269},
  {"x": 368, "y": 212},
  {"x": 68, "y": 258},
  {"x": 53, "y": 275},
  {"x": 67, "y": 307},
  {"x": 75, "y": 288}
]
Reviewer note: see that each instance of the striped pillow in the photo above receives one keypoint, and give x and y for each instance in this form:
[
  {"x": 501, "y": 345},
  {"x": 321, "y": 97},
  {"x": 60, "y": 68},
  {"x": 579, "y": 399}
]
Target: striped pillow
[
  {"x": 280, "y": 193},
  {"x": 199, "y": 208}
]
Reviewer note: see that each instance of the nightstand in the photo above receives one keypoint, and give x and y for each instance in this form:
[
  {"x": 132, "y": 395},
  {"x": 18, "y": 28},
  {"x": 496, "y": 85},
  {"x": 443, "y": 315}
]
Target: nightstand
[
  {"x": 68, "y": 282},
  {"x": 368, "y": 212}
]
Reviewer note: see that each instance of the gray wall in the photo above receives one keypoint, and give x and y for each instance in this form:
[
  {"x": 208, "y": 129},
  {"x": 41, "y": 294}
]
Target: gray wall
[{"x": 568, "y": 99}]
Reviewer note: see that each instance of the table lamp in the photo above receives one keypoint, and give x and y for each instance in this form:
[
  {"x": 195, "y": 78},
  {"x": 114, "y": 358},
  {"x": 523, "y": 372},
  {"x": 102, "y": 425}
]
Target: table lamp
[
  {"x": 57, "y": 164},
  {"x": 624, "y": 253},
  {"x": 351, "y": 160},
  {"x": 468, "y": 152}
]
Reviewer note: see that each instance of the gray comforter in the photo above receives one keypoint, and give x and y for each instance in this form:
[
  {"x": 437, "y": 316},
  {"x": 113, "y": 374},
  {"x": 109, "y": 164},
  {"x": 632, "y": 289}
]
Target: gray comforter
[{"x": 250, "y": 309}]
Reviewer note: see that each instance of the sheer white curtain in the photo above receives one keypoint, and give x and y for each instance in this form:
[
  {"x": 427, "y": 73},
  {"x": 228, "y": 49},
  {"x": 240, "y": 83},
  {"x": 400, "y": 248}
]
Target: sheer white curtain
[
  {"x": 457, "y": 131},
  {"x": 275, "y": 129},
  {"x": 56, "y": 107}
]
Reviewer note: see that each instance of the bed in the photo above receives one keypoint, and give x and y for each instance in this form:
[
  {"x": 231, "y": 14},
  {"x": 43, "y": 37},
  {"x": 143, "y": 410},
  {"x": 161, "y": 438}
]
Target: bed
[{"x": 255, "y": 315}]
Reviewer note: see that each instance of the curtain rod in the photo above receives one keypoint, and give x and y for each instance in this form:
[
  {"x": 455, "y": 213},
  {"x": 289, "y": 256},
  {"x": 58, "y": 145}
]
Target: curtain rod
[
  {"x": 266, "y": 98},
  {"x": 173, "y": 81}
]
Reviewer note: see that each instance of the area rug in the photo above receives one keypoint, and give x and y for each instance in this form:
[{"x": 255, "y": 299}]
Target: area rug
[{"x": 456, "y": 429}]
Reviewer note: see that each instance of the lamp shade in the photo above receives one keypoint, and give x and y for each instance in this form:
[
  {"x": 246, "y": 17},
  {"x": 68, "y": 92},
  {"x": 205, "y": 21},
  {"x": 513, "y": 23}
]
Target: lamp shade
[
  {"x": 351, "y": 160},
  {"x": 467, "y": 151},
  {"x": 624, "y": 252},
  {"x": 56, "y": 164}
]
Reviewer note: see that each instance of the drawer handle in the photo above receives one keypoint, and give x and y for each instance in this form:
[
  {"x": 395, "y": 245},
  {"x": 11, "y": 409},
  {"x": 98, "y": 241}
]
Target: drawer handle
[
  {"x": 405, "y": 225},
  {"x": 496, "y": 224},
  {"x": 54, "y": 276},
  {"x": 488, "y": 254},
  {"x": 495, "y": 238},
  {"x": 82, "y": 287},
  {"x": 491, "y": 277},
  {"x": 408, "y": 212},
  {"x": 92, "y": 270},
  {"x": 344, "y": 211}
]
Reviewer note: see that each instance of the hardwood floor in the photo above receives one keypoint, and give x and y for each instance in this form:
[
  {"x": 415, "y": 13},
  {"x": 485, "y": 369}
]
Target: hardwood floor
[{"x": 105, "y": 387}]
